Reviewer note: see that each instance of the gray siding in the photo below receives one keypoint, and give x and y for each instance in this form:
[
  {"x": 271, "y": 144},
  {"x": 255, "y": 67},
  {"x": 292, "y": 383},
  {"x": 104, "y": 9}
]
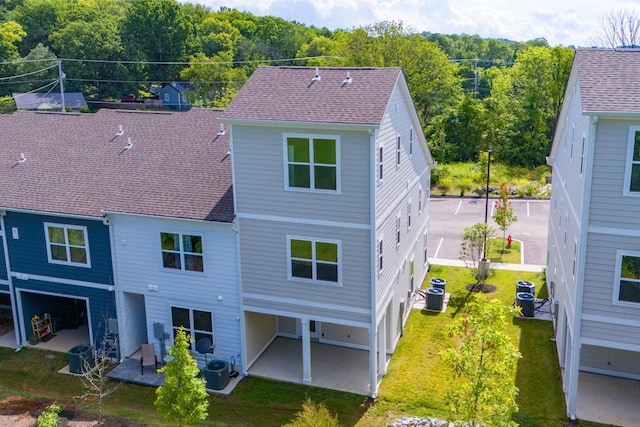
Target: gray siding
[
  {"x": 259, "y": 173},
  {"x": 608, "y": 178},
  {"x": 600, "y": 277},
  {"x": 611, "y": 361},
  {"x": 263, "y": 247}
]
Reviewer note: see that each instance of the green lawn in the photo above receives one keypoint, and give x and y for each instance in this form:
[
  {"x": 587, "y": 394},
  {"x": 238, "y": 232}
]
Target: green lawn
[{"x": 414, "y": 385}]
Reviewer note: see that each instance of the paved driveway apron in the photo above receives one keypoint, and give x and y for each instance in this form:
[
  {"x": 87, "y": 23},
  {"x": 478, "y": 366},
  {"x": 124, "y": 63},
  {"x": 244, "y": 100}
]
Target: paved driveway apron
[{"x": 449, "y": 216}]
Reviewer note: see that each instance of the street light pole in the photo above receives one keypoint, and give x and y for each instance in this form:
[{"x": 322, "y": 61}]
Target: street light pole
[{"x": 486, "y": 206}]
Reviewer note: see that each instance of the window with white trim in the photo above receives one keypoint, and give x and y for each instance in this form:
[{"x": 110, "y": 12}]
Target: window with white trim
[
  {"x": 380, "y": 257},
  {"x": 420, "y": 199},
  {"x": 398, "y": 221},
  {"x": 67, "y": 244},
  {"x": 627, "y": 285},
  {"x": 411, "y": 272},
  {"x": 380, "y": 162},
  {"x": 425, "y": 258},
  {"x": 410, "y": 141},
  {"x": 398, "y": 150},
  {"x": 632, "y": 169},
  {"x": 314, "y": 260},
  {"x": 312, "y": 162},
  {"x": 182, "y": 251},
  {"x": 574, "y": 266},
  {"x": 408, "y": 214},
  {"x": 584, "y": 143},
  {"x": 197, "y": 324},
  {"x": 166, "y": 97}
]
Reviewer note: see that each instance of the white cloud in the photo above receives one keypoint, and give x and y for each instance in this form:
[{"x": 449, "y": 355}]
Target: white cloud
[{"x": 565, "y": 22}]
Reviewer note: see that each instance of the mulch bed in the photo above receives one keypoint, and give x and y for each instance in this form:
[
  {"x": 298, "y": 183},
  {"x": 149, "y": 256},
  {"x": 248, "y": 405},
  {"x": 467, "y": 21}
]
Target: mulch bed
[{"x": 485, "y": 289}]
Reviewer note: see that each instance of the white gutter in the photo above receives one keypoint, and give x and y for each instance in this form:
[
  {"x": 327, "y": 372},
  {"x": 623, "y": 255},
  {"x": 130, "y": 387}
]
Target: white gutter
[{"x": 373, "y": 327}]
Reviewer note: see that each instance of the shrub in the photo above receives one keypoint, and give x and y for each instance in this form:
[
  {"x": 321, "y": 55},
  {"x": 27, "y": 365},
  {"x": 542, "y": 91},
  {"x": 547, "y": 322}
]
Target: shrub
[
  {"x": 49, "y": 418},
  {"x": 314, "y": 415}
]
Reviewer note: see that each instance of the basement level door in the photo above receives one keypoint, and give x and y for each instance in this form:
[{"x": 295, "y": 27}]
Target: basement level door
[{"x": 314, "y": 329}]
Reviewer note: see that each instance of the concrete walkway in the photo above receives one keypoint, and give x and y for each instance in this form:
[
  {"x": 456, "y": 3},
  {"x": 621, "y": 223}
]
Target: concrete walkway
[{"x": 497, "y": 265}]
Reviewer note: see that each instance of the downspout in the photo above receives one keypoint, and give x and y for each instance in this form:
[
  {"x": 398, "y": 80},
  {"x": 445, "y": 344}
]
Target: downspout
[
  {"x": 236, "y": 228},
  {"x": 582, "y": 252},
  {"x": 14, "y": 310},
  {"x": 118, "y": 298},
  {"x": 373, "y": 326}
]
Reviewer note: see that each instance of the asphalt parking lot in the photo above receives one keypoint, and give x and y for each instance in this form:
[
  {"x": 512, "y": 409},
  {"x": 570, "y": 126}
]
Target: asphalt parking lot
[{"x": 449, "y": 216}]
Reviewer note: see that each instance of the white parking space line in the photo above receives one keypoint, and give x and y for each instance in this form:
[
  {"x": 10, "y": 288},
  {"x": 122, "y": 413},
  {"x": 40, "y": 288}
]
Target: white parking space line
[
  {"x": 458, "y": 208},
  {"x": 438, "y": 248},
  {"x": 528, "y": 213}
]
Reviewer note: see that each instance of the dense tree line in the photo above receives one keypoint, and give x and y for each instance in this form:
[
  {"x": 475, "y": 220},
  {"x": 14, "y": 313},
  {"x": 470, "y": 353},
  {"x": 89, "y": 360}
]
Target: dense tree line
[{"x": 472, "y": 94}]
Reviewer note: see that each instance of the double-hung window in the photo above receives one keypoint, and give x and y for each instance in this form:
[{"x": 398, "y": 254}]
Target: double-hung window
[
  {"x": 632, "y": 171},
  {"x": 197, "y": 324},
  {"x": 312, "y": 162},
  {"x": 67, "y": 244},
  {"x": 627, "y": 285},
  {"x": 182, "y": 251},
  {"x": 398, "y": 150},
  {"x": 314, "y": 260}
]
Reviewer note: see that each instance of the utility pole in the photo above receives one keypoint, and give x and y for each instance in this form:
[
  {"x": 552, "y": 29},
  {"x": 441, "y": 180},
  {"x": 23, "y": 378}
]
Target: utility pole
[{"x": 61, "y": 77}]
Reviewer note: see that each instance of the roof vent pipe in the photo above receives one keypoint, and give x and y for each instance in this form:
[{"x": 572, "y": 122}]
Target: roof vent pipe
[{"x": 317, "y": 76}]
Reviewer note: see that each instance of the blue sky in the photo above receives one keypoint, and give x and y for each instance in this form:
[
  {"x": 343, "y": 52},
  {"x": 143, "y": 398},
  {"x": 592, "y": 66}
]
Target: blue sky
[{"x": 561, "y": 22}]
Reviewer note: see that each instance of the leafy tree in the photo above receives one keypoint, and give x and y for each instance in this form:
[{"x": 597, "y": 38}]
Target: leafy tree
[
  {"x": 11, "y": 33},
  {"x": 485, "y": 360},
  {"x": 618, "y": 28},
  {"x": 313, "y": 415},
  {"x": 215, "y": 83},
  {"x": 183, "y": 397},
  {"x": 157, "y": 31},
  {"x": 464, "y": 132},
  {"x": 538, "y": 79},
  {"x": 504, "y": 215},
  {"x": 38, "y": 18},
  {"x": 476, "y": 242}
]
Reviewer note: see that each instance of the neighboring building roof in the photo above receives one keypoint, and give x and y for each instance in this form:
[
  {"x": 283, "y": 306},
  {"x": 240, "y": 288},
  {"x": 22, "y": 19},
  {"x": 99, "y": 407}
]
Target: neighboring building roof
[
  {"x": 48, "y": 101},
  {"x": 75, "y": 164},
  {"x": 609, "y": 79},
  {"x": 290, "y": 94}
]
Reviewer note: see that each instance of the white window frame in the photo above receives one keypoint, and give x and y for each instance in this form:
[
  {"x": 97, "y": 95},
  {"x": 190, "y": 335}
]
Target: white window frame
[
  {"x": 420, "y": 199},
  {"x": 192, "y": 330},
  {"x": 314, "y": 261},
  {"x": 409, "y": 215},
  {"x": 167, "y": 97},
  {"x": 617, "y": 275},
  {"x": 398, "y": 150},
  {"x": 582, "y": 154},
  {"x": 380, "y": 163},
  {"x": 182, "y": 252},
  {"x": 67, "y": 245},
  {"x": 380, "y": 254},
  {"x": 398, "y": 227},
  {"x": 311, "y": 137},
  {"x": 425, "y": 255},
  {"x": 629, "y": 163},
  {"x": 574, "y": 265},
  {"x": 410, "y": 141}
]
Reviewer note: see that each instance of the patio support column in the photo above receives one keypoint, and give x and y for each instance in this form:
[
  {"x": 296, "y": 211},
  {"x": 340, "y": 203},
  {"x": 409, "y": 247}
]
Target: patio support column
[
  {"x": 574, "y": 371},
  {"x": 373, "y": 368},
  {"x": 382, "y": 346},
  {"x": 306, "y": 352}
]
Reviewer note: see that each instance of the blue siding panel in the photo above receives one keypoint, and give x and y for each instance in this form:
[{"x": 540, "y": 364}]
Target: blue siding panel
[
  {"x": 28, "y": 253},
  {"x": 3, "y": 264}
]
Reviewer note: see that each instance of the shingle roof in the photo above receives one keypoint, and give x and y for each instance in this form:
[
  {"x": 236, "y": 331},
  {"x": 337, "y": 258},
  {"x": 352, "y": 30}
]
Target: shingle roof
[
  {"x": 609, "y": 79},
  {"x": 290, "y": 94},
  {"x": 75, "y": 164}
]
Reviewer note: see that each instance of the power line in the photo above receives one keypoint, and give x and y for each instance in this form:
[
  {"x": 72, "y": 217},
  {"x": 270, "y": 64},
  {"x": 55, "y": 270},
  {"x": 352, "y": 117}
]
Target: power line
[{"x": 28, "y": 74}]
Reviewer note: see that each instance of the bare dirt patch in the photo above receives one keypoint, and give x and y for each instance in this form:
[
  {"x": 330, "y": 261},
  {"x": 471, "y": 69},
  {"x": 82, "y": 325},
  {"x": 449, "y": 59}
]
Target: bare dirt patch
[{"x": 17, "y": 411}]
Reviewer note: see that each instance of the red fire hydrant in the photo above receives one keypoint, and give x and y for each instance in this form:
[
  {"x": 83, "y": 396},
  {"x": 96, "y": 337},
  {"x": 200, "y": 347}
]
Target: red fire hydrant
[{"x": 509, "y": 240}]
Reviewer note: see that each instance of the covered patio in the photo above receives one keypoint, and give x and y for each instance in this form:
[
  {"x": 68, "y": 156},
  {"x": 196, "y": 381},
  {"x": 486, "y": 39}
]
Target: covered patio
[{"x": 334, "y": 367}]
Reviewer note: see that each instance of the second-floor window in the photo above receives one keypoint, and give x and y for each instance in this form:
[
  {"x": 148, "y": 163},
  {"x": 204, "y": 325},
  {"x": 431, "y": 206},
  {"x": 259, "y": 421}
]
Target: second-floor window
[
  {"x": 628, "y": 278},
  {"x": 182, "y": 251},
  {"x": 67, "y": 244},
  {"x": 313, "y": 162},
  {"x": 314, "y": 260},
  {"x": 632, "y": 172}
]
